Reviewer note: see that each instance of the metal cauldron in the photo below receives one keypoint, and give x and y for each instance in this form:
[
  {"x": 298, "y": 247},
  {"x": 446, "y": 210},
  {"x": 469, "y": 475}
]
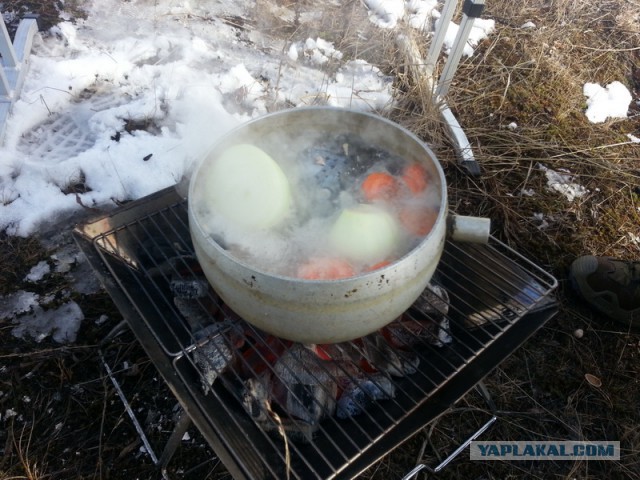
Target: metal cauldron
[{"x": 322, "y": 311}]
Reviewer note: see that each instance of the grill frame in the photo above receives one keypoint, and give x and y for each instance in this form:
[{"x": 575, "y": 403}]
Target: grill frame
[{"x": 500, "y": 339}]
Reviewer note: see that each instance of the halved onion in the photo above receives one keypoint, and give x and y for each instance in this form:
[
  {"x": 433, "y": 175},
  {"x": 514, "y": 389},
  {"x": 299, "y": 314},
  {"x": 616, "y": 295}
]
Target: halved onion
[
  {"x": 365, "y": 233},
  {"x": 248, "y": 187}
]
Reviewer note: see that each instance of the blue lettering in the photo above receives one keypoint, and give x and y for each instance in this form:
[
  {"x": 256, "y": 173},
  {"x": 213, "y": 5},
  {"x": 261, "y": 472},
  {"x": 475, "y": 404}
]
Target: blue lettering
[
  {"x": 504, "y": 450},
  {"x": 606, "y": 450},
  {"x": 560, "y": 450}
]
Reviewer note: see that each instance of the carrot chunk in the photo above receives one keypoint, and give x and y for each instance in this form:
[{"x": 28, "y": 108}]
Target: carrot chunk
[
  {"x": 418, "y": 220},
  {"x": 379, "y": 186},
  {"x": 415, "y": 177},
  {"x": 378, "y": 265},
  {"x": 323, "y": 268}
]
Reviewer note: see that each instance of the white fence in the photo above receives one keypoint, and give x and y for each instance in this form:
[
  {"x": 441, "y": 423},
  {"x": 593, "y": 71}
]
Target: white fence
[{"x": 13, "y": 66}]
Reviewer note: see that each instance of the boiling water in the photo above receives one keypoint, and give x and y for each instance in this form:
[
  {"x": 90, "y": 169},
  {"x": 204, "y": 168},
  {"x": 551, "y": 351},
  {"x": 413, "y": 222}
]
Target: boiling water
[{"x": 326, "y": 177}]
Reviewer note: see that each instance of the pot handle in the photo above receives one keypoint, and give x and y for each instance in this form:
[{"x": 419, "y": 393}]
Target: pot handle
[{"x": 469, "y": 229}]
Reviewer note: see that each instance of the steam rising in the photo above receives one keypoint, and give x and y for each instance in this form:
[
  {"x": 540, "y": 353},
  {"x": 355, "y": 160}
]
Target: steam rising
[{"x": 325, "y": 175}]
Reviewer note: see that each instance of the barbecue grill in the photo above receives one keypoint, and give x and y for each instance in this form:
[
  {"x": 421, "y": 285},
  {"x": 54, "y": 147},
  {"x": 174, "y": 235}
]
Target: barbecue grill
[{"x": 270, "y": 408}]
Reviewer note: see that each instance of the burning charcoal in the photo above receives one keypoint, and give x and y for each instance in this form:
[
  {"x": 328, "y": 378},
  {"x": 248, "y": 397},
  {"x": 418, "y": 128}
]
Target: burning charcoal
[
  {"x": 212, "y": 354},
  {"x": 191, "y": 298},
  {"x": 407, "y": 331},
  {"x": 433, "y": 300},
  {"x": 361, "y": 392},
  {"x": 193, "y": 312},
  {"x": 443, "y": 333},
  {"x": 309, "y": 403},
  {"x": 431, "y": 323},
  {"x": 300, "y": 364},
  {"x": 261, "y": 353},
  {"x": 384, "y": 358},
  {"x": 189, "y": 288},
  {"x": 337, "y": 352},
  {"x": 307, "y": 385},
  {"x": 256, "y": 398}
]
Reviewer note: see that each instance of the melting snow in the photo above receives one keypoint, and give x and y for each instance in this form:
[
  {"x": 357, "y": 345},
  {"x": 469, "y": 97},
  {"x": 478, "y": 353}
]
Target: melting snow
[
  {"x": 17, "y": 303},
  {"x": 61, "y": 323},
  {"x": 562, "y": 182},
  {"x": 611, "y": 101},
  {"x": 38, "y": 272}
]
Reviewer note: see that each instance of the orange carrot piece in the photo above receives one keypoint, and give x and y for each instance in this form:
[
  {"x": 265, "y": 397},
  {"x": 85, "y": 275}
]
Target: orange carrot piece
[
  {"x": 415, "y": 177},
  {"x": 322, "y": 268},
  {"x": 379, "y": 186},
  {"x": 418, "y": 220},
  {"x": 378, "y": 265}
]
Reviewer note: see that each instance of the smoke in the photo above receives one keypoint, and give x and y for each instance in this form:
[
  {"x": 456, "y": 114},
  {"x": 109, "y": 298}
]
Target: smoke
[{"x": 326, "y": 175}]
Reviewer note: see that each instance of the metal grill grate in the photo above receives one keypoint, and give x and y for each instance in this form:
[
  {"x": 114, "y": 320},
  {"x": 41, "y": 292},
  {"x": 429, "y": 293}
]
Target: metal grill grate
[{"x": 493, "y": 299}]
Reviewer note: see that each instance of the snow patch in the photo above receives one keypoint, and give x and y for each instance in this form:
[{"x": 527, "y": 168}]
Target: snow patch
[
  {"x": 17, "y": 303},
  {"x": 38, "y": 272},
  {"x": 385, "y": 13},
  {"x": 61, "y": 323},
  {"x": 562, "y": 182},
  {"x": 607, "y": 102}
]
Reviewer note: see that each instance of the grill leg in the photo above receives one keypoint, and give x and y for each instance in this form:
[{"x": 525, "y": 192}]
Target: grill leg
[
  {"x": 183, "y": 423},
  {"x": 484, "y": 391},
  {"x": 128, "y": 409},
  {"x": 180, "y": 428}
]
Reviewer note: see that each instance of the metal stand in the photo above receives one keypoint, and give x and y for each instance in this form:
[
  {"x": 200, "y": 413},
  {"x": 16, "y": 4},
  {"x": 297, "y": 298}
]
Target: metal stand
[
  {"x": 181, "y": 426},
  {"x": 14, "y": 65},
  {"x": 482, "y": 389},
  {"x": 491, "y": 281},
  {"x": 471, "y": 10}
]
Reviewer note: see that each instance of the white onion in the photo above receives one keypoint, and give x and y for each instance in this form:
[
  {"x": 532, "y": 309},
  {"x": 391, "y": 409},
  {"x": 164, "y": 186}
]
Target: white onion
[
  {"x": 364, "y": 233},
  {"x": 245, "y": 185}
]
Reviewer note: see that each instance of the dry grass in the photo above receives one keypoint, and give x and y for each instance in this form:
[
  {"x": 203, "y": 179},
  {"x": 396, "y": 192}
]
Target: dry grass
[
  {"x": 534, "y": 78},
  {"x": 17, "y": 256},
  {"x": 530, "y": 77}
]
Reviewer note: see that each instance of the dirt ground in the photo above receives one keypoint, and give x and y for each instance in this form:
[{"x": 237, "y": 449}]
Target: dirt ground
[{"x": 61, "y": 417}]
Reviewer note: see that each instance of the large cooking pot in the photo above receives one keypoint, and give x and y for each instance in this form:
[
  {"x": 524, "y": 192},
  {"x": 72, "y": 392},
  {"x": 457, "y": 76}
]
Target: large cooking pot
[{"x": 322, "y": 311}]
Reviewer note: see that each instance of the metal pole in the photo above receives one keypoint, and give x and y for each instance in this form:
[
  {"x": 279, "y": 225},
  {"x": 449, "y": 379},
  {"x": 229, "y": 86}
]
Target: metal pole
[
  {"x": 440, "y": 34},
  {"x": 484, "y": 392},
  {"x": 471, "y": 10}
]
